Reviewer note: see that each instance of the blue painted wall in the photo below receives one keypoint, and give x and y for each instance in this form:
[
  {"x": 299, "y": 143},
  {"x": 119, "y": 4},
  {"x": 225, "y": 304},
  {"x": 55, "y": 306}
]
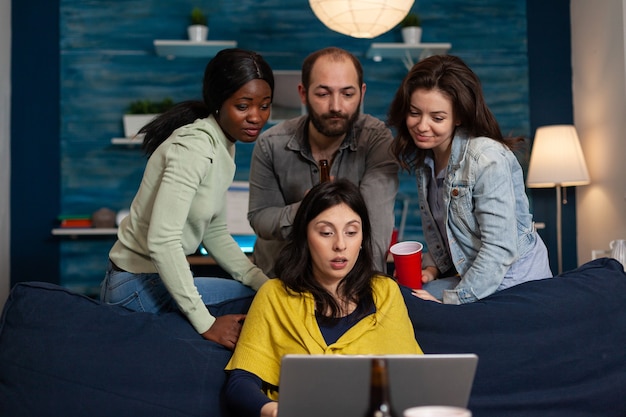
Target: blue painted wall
[
  {"x": 35, "y": 125},
  {"x": 550, "y": 98},
  {"x": 106, "y": 59}
]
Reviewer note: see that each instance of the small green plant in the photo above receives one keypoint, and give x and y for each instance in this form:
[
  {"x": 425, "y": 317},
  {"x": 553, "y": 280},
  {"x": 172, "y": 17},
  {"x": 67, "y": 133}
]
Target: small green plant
[
  {"x": 411, "y": 19},
  {"x": 150, "y": 107},
  {"x": 198, "y": 17}
]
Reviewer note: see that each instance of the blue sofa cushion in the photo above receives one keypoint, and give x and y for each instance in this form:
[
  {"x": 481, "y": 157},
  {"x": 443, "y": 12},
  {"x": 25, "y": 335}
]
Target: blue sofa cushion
[
  {"x": 65, "y": 354},
  {"x": 548, "y": 348}
]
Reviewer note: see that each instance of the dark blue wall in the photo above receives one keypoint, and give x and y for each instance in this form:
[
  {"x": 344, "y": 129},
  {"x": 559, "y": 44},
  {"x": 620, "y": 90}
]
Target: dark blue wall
[
  {"x": 34, "y": 140},
  {"x": 86, "y": 73},
  {"x": 550, "y": 98}
]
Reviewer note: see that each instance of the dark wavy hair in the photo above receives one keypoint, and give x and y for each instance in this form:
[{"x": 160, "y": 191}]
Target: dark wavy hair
[
  {"x": 453, "y": 78},
  {"x": 226, "y": 73},
  {"x": 294, "y": 265}
]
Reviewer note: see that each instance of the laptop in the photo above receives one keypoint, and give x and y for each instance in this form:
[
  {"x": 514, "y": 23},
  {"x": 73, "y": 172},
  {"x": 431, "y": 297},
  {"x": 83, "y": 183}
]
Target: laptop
[{"x": 339, "y": 385}]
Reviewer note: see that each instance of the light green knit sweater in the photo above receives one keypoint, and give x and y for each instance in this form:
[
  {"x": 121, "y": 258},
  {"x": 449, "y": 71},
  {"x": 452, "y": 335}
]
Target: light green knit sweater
[{"x": 180, "y": 203}]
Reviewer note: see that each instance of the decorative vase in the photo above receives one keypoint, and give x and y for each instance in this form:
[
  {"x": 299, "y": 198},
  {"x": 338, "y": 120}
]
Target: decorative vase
[
  {"x": 412, "y": 34},
  {"x": 134, "y": 122},
  {"x": 198, "y": 33}
]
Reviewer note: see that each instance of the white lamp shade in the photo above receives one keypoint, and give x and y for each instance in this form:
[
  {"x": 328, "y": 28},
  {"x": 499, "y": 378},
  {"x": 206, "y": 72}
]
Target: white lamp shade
[
  {"x": 361, "y": 18},
  {"x": 556, "y": 158}
]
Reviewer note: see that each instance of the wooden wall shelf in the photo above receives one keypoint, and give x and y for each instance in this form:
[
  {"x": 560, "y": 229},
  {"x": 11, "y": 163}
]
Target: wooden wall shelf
[
  {"x": 409, "y": 53},
  {"x": 84, "y": 231},
  {"x": 181, "y": 48},
  {"x": 127, "y": 141}
]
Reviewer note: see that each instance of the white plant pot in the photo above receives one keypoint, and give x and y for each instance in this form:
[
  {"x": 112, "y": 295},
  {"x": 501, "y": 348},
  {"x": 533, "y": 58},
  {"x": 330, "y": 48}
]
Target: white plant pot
[
  {"x": 412, "y": 34},
  {"x": 134, "y": 122},
  {"x": 198, "y": 33}
]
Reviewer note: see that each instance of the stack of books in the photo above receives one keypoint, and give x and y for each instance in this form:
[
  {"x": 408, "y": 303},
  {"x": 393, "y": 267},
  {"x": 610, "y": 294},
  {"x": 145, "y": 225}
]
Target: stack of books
[{"x": 75, "y": 221}]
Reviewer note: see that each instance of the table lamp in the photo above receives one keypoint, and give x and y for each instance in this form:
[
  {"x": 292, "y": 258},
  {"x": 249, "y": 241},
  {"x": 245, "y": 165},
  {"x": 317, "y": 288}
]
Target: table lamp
[{"x": 557, "y": 161}]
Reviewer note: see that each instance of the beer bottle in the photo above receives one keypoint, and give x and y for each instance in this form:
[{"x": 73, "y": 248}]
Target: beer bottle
[
  {"x": 380, "y": 398},
  {"x": 324, "y": 170}
]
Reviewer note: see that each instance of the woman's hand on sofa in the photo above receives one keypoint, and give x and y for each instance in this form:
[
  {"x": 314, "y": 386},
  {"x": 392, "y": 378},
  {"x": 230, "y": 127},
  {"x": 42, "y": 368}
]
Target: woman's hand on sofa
[
  {"x": 424, "y": 295},
  {"x": 225, "y": 330},
  {"x": 270, "y": 409}
]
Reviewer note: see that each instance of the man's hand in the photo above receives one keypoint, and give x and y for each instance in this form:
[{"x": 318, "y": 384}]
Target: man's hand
[
  {"x": 225, "y": 330},
  {"x": 429, "y": 273}
]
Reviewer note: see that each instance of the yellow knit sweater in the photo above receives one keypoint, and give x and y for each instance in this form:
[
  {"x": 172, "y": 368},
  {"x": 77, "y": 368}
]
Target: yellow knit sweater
[{"x": 281, "y": 322}]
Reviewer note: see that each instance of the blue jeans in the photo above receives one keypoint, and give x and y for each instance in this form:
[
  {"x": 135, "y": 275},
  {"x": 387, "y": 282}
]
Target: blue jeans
[
  {"x": 437, "y": 286},
  {"x": 146, "y": 292}
]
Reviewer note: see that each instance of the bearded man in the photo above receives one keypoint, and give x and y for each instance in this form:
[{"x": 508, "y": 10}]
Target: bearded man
[{"x": 286, "y": 158}]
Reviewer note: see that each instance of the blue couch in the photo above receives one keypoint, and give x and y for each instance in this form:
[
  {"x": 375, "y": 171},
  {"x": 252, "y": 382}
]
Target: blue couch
[{"x": 554, "y": 347}]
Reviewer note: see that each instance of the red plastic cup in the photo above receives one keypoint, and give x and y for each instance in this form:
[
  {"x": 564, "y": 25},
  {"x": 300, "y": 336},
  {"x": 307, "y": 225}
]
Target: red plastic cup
[{"x": 407, "y": 257}]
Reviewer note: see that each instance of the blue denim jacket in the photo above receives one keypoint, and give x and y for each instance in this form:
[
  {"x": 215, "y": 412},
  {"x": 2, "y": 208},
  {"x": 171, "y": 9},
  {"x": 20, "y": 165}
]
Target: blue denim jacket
[{"x": 488, "y": 223}]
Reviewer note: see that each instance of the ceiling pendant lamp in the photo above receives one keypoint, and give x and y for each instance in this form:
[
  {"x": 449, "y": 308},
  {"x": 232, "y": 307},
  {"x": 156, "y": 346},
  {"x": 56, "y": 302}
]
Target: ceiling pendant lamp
[{"x": 361, "y": 18}]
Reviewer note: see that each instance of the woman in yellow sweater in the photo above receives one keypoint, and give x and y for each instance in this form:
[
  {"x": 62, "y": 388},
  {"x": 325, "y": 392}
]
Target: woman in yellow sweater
[{"x": 328, "y": 299}]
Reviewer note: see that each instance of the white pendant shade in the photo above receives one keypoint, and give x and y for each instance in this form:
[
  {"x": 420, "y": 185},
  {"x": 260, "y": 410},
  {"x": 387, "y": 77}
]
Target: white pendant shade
[
  {"x": 361, "y": 18},
  {"x": 557, "y": 158}
]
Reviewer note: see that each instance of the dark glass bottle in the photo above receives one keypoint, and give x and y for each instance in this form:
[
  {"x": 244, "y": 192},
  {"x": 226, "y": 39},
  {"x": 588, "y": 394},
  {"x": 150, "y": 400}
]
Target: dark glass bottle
[
  {"x": 380, "y": 398},
  {"x": 324, "y": 171}
]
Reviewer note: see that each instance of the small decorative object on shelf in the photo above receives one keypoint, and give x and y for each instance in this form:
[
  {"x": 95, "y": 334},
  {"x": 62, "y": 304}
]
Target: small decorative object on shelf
[
  {"x": 100, "y": 224},
  {"x": 150, "y": 106},
  {"x": 141, "y": 112},
  {"x": 411, "y": 28},
  {"x": 103, "y": 218},
  {"x": 74, "y": 225},
  {"x": 198, "y": 30},
  {"x": 121, "y": 215},
  {"x": 75, "y": 221}
]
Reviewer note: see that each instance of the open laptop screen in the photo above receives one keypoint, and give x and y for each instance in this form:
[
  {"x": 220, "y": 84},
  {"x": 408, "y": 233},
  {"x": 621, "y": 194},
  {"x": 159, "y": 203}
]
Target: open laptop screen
[{"x": 339, "y": 385}]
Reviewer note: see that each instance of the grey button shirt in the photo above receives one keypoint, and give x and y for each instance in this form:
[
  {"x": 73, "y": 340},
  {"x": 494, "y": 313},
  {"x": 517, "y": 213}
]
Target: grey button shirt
[{"x": 283, "y": 169}]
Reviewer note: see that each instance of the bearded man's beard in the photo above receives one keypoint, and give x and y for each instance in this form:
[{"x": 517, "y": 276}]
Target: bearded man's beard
[{"x": 333, "y": 124}]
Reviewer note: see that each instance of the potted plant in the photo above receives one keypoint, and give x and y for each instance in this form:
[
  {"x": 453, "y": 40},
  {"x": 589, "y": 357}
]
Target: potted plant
[
  {"x": 141, "y": 112},
  {"x": 198, "y": 29},
  {"x": 411, "y": 28}
]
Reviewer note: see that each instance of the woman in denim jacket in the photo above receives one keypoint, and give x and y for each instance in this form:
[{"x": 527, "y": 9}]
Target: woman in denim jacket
[{"x": 475, "y": 213}]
